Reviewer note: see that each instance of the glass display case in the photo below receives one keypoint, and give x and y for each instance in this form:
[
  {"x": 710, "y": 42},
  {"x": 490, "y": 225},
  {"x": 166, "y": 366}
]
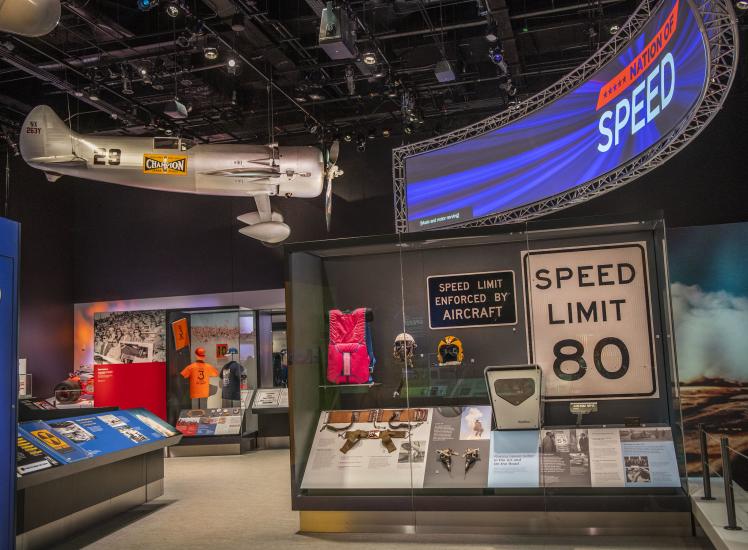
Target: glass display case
[{"x": 404, "y": 349}]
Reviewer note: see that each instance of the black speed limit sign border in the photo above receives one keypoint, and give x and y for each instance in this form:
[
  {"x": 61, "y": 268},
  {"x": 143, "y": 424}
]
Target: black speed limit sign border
[{"x": 527, "y": 276}]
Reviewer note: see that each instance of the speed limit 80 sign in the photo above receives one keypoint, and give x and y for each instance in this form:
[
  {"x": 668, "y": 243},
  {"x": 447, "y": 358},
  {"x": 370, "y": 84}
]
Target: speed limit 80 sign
[{"x": 590, "y": 323}]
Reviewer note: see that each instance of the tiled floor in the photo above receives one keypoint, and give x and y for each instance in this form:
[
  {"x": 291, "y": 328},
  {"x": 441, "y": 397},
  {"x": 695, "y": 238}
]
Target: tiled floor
[{"x": 239, "y": 502}]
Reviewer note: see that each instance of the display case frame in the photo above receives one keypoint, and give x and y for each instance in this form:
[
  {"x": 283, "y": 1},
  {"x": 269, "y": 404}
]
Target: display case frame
[{"x": 308, "y": 295}]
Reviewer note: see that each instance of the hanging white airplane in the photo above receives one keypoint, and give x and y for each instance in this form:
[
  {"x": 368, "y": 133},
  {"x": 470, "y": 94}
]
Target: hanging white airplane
[
  {"x": 169, "y": 164},
  {"x": 29, "y": 17}
]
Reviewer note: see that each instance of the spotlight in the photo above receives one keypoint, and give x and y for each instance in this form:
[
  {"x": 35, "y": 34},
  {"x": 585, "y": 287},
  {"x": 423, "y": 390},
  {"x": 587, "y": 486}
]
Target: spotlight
[
  {"x": 312, "y": 126},
  {"x": 369, "y": 58},
  {"x": 237, "y": 22},
  {"x": 385, "y": 132},
  {"x": 184, "y": 40},
  {"x": 147, "y": 5},
  {"x": 372, "y": 133},
  {"x": 316, "y": 96},
  {"x": 408, "y": 129},
  {"x": 172, "y": 10},
  {"x": 615, "y": 28},
  {"x": 360, "y": 143},
  {"x": 591, "y": 31},
  {"x": 231, "y": 65},
  {"x": 742, "y": 4},
  {"x": 233, "y": 98},
  {"x": 347, "y": 137},
  {"x": 78, "y": 93},
  {"x": 210, "y": 53},
  {"x": 496, "y": 55},
  {"x": 300, "y": 98},
  {"x": 93, "y": 94},
  {"x": 492, "y": 33}
]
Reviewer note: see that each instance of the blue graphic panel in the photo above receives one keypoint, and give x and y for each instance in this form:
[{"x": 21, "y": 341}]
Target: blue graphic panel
[
  {"x": 9, "y": 233},
  {"x": 625, "y": 108}
]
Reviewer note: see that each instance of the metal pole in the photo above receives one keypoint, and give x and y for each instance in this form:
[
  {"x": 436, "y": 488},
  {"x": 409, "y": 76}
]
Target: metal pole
[
  {"x": 705, "y": 465},
  {"x": 732, "y": 523}
]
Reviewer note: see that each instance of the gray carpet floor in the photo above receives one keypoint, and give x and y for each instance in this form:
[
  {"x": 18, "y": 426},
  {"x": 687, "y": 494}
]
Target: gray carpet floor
[{"x": 239, "y": 502}]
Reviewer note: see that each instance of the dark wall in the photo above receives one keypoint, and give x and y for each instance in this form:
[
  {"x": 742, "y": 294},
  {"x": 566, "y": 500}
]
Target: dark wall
[{"x": 45, "y": 211}]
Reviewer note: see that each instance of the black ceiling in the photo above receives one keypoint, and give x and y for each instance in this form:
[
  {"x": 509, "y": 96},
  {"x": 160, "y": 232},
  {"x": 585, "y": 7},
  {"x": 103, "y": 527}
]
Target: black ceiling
[{"x": 99, "y": 41}]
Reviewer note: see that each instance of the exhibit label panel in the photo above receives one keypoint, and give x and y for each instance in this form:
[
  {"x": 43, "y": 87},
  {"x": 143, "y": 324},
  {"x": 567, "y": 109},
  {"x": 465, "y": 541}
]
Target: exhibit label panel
[
  {"x": 629, "y": 105},
  {"x": 456, "y": 449},
  {"x": 590, "y": 322}
]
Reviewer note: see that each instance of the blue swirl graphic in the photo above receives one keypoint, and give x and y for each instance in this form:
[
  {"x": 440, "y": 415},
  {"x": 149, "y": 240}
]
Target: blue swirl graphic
[{"x": 555, "y": 148}]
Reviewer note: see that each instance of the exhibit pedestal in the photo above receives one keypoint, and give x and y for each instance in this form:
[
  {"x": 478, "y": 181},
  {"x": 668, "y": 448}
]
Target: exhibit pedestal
[
  {"x": 498, "y": 523},
  {"x": 54, "y": 504}
]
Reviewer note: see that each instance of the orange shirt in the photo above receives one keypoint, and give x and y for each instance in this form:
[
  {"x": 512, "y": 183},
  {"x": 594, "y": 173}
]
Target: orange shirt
[{"x": 199, "y": 374}]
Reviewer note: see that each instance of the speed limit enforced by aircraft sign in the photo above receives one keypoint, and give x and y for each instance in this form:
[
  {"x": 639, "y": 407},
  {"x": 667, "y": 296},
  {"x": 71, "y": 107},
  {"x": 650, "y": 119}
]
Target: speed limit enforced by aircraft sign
[{"x": 590, "y": 322}]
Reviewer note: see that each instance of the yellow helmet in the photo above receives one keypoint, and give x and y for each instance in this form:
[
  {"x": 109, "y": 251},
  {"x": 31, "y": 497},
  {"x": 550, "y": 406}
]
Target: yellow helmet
[{"x": 450, "y": 350}]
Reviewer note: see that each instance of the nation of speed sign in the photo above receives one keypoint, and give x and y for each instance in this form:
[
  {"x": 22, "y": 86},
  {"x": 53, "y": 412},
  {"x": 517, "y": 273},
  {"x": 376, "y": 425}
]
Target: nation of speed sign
[{"x": 590, "y": 322}]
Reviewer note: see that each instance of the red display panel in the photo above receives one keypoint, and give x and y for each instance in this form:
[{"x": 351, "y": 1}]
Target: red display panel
[{"x": 131, "y": 386}]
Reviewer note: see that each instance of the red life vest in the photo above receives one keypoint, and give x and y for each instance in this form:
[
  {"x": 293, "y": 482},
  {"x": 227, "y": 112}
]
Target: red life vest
[{"x": 347, "y": 354}]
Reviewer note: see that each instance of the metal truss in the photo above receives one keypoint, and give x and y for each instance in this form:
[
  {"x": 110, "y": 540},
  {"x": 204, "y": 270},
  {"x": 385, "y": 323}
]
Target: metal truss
[{"x": 719, "y": 24}]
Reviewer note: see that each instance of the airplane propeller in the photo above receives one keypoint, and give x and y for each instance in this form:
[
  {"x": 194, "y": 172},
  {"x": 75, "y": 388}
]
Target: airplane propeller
[{"x": 331, "y": 171}]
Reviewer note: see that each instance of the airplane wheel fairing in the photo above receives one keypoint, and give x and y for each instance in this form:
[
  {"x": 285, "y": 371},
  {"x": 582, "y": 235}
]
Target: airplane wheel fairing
[{"x": 267, "y": 232}]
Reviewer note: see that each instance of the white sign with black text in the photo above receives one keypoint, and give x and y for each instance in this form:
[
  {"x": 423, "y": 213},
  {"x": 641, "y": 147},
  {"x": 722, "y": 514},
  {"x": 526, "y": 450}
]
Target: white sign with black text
[{"x": 590, "y": 323}]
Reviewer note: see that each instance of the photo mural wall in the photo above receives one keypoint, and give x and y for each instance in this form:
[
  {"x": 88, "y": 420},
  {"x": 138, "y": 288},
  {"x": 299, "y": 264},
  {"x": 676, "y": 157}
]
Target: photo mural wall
[
  {"x": 130, "y": 337},
  {"x": 709, "y": 278}
]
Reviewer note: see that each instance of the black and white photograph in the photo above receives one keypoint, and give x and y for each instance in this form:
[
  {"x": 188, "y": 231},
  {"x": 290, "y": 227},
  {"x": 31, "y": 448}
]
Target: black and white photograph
[
  {"x": 113, "y": 421},
  {"x": 132, "y": 434},
  {"x": 412, "y": 451},
  {"x": 637, "y": 469},
  {"x": 565, "y": 458},
  {"x": 74, "y": 432},
  {"x": 646, "y": 434},
  {"x": 129, "y": 337}
]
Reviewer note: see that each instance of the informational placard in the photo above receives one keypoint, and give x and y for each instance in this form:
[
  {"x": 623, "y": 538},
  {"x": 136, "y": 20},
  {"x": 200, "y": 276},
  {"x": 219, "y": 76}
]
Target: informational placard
[
  {"x": 454, "y": 432},
  {"x": 514, "y": 460},
  {"x": 590, "y": 322},
  {"x": 109, "y": 432},
  {"x": 602, "y": 457},
  {"x": 208, "y": 422},
  {"x": 472, "y": 300},
  {"x": 270, "y": 398},
  {"x": 367, "y": 463}
]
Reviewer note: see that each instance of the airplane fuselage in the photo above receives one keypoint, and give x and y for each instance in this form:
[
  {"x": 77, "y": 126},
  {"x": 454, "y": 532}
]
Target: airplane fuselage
[{"x": 162, "y": 163}]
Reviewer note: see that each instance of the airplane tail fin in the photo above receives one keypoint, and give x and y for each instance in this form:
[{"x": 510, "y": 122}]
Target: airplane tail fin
[{"x": 45, "y": 138}]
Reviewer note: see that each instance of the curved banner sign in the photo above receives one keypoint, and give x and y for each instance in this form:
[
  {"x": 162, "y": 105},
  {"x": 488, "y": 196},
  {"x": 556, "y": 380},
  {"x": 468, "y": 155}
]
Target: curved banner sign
[{"x": 629, "y": 105}]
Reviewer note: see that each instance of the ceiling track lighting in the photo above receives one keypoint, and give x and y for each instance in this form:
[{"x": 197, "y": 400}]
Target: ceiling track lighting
[
  {"x": 369, "y": 58},
  {"x": 210, "y": 53},
  {"x": 237, "y": 22},
  {"x": 172, "y": 9},
  {"x": 147, "y": 5},
  {"x": 232, "y": 65},
  {"x": 492, "y": 32}
]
